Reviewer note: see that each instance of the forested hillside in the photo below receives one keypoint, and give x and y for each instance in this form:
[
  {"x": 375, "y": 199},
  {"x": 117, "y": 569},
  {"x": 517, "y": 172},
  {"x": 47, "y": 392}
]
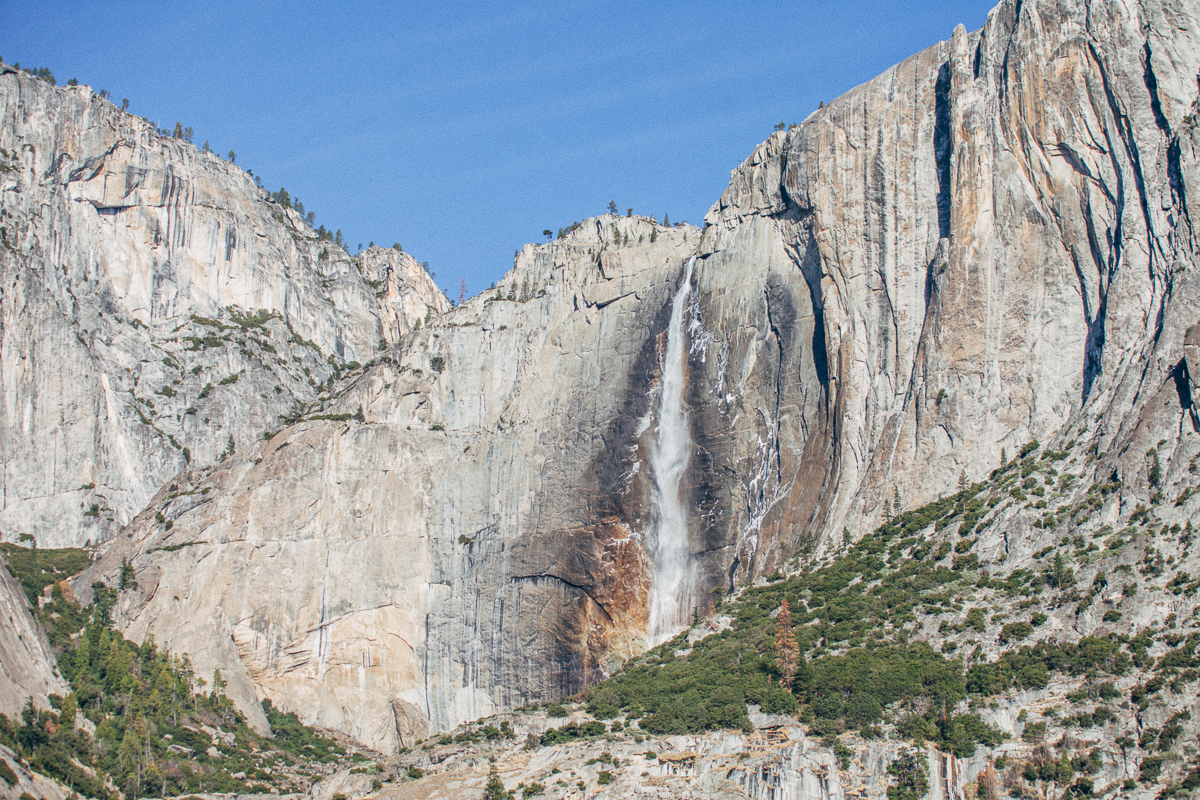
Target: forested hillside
[{"x": 138, "y": 721}]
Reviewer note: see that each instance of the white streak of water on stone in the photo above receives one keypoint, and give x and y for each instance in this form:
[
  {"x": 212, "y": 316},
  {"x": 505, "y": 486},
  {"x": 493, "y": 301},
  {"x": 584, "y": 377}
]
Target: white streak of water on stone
[{"x": 670, "y": 452}]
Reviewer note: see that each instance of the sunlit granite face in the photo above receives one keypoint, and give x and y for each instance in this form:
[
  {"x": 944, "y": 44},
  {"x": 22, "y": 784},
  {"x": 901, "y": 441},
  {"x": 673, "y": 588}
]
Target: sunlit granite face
[{"x": 989, "y": 243}]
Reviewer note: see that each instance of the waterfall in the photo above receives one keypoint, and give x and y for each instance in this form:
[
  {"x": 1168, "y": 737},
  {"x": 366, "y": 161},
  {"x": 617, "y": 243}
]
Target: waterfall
[{"x": 670, "y": 452}]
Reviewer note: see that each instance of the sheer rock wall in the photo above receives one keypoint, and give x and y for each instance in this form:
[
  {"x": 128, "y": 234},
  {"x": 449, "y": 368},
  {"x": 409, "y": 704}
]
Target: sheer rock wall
[
  {"x": 471, "y": 544},
  {"x": 126, "y": 260},
  {"x": 989, "y": 243}
]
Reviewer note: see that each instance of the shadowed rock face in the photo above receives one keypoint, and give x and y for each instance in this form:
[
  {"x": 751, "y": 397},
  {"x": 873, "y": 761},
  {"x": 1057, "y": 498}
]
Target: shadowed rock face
[{"x": 989, "y": 243}]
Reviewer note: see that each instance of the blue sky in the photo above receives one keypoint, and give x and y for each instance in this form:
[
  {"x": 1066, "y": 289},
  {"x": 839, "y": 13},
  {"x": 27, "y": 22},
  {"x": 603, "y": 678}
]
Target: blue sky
[{"x": 463, "y": 131}]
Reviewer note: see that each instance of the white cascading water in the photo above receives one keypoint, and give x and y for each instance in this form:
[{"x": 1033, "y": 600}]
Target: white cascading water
[{"x": 670, "y": 452}]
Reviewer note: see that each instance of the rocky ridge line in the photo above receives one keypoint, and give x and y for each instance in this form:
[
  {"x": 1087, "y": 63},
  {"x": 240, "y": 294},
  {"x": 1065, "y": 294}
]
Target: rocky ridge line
[{"x": 162, "y": 311}]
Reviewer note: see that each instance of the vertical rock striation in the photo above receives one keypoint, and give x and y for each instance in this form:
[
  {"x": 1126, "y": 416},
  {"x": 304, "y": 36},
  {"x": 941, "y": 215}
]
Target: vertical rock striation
[
  {"x": 475, "y": 542},
  {"x": 985, "y": 244},
  {"x": 989, "y": 243},
  {"x": 156, "y": 309}
]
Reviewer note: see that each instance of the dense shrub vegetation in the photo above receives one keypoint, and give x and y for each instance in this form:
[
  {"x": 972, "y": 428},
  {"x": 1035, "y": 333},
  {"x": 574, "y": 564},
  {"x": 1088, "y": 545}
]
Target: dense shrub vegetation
[
  {"x": 851, "y": 619},
  {"x": 36, "y": 569}
]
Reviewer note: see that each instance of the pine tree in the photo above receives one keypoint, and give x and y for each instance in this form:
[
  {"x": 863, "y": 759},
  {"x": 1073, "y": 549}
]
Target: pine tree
[
  {"x": 128, "y": 579},
  {"x": 911, "y": 779},
  {"x": 83, "y": 656},
  {"x": 187, "y": 673},
  {"x": 495, "y": 787},
  {"x": 66, "y": 714},
  {"x": 1060, "y": 575},
  {"x": 787, "y": 650}
]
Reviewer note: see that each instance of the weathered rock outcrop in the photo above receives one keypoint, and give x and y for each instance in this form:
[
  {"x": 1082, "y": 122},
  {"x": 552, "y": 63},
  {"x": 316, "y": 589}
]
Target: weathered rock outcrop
[
  {"x": 156, "y": 309},
  {"x": 778, "y": 758},
  {"x": 987, "y": 244},
  {"x": 29, "y": 782}
]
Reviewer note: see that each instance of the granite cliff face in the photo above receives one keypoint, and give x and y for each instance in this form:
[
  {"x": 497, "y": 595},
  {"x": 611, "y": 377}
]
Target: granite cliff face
[
  {"x": 987, "y": 244},
  {"x": 27, "y": 667},
  {"x": 454, "y": 551},
  {"x": 156, "y": 309}
]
